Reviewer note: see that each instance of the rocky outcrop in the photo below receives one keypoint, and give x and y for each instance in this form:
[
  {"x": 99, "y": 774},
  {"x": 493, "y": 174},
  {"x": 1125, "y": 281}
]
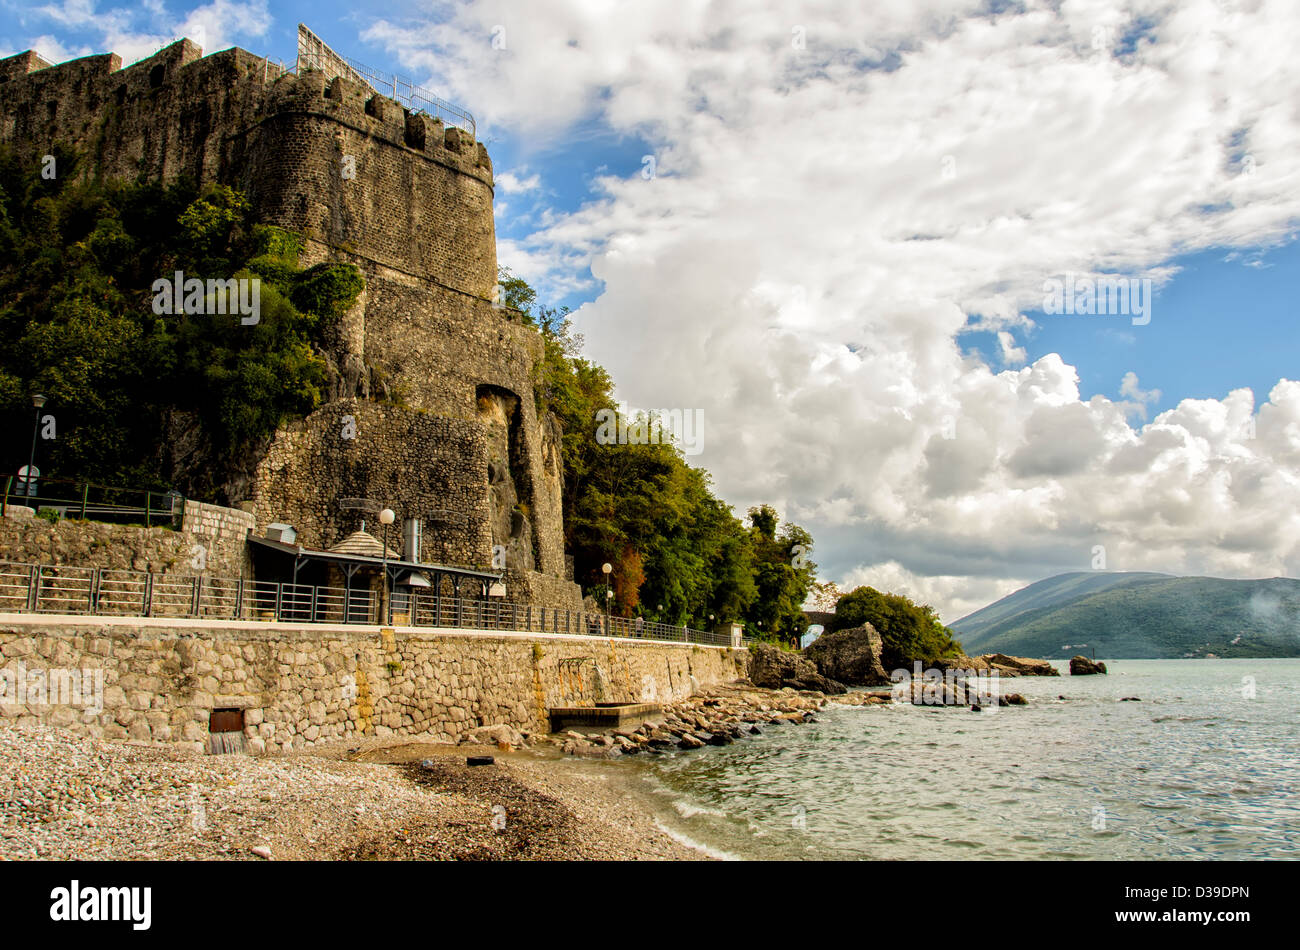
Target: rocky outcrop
[
  {"x": 1082, "y": 666},
  {"x": 850, "y": 656},
  {"x": 773, "y": 668},
  {"x": 1001, "y": 663}
]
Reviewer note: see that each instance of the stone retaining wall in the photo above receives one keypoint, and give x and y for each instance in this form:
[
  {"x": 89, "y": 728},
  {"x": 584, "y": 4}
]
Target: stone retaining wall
[
  {"x": 212, "y": 541},
  {"x": 302, "y": 684}
]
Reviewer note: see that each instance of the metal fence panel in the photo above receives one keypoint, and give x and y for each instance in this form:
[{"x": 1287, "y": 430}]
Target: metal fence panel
[{"x": 63, "y": 589}]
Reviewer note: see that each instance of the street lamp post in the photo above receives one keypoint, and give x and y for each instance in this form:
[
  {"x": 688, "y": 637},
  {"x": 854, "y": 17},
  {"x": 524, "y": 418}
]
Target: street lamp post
[
  {"x": 37, "y": 402},
  {"x": 607, "y": 569},
  {"x": 386, "y": 517}
]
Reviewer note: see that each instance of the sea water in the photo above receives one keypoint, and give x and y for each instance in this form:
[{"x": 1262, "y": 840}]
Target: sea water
[{"x": 1205, "y": 765}]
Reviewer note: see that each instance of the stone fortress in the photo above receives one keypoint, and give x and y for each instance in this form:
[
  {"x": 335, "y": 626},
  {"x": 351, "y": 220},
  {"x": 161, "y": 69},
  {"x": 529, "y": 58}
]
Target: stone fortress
[{"x": 436, "y": 379}]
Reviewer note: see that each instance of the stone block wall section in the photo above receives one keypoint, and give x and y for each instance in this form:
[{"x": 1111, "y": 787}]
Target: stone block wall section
[
  {"x": 531, "y": 587},
  {"x": 221, "y": 534},
  {"x": 298, "y": 686},
  {"x": 424, "y": 465}
]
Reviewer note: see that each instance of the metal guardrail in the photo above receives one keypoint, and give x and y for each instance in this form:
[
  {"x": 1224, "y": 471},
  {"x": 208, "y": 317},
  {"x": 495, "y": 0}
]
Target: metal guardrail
[
  {"x": 62, "y": 589},
  {"x": 395, "y": 87},
  {"x": 88, "y": 501}
]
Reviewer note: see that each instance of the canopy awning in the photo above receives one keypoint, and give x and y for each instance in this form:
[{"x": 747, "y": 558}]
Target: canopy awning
[{"x": 352, "y": 562}]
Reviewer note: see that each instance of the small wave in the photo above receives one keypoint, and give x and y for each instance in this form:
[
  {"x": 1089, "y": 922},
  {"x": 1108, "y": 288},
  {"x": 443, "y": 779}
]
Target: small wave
[
  {"x": 694, "y": 845},
  {"x": 687, "y": 810}
]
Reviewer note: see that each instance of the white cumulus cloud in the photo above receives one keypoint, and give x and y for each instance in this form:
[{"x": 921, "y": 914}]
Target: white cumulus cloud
[{"x": 827, "y": 220}]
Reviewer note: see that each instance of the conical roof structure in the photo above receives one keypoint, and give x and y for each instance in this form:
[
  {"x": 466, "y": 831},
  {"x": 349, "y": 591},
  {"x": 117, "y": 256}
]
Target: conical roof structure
[{"x": 363, "y": 543}]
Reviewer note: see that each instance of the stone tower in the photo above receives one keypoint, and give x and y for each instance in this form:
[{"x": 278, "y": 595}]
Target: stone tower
[{"x": 438, "y": 382}]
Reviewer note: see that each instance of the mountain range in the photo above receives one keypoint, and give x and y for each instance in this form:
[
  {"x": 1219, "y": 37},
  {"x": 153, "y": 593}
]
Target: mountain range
[{"x": 1138, "y": 615}]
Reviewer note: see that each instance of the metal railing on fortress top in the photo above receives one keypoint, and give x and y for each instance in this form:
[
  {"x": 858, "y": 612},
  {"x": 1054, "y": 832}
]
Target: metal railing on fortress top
[
  {"x": 61, "y": 589},
  {"x": 395, "y": 87},
  {"x": 66, "y": 498}
]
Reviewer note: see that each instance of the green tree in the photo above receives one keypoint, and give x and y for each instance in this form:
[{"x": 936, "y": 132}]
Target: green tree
[
  {"x": 783, "y": 574},
  {"x": 908, "y": 631},
  {"x": 679, "y": 553},
  {"x": 145, "y": 398}
]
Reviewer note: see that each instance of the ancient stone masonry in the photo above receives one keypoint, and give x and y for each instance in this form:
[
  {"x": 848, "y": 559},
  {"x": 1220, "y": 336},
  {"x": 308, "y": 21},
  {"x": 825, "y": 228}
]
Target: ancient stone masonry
[
  {"x": 436, "y": 380},
  {"x": 219, "y": 533},
  {"x": 161, "y": 682}
]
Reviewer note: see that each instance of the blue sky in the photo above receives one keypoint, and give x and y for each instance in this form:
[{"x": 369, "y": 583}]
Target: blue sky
[
  {"x": 905, "y": 400},
  {"x": 1225, "y": 320}
]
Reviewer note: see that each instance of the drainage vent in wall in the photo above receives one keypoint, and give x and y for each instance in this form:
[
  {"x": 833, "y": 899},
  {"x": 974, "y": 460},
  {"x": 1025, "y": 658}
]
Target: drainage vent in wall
[{"x": 226, "y": 731}]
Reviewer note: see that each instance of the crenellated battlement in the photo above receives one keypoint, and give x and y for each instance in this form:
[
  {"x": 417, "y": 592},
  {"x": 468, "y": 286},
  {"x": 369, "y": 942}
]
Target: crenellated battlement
[{"x": 247, "y": 86}]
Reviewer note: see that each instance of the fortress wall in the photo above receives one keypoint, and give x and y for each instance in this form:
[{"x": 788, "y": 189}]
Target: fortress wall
[
  {"x": 353, "y": 169},
  {"x": 421, "y": 464},
  {"x": 302, "y": 685},
  {"x": 416, "y": 218},
  {"x": 420, "y": 200}
]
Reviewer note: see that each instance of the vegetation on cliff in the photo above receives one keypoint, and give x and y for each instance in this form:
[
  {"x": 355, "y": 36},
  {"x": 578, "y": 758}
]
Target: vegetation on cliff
[
  {"x": 672, "y": 543},
  {"x": 138, "y": 397}
]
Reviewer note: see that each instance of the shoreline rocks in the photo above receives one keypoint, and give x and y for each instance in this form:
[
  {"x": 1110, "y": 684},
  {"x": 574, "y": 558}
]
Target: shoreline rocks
[
  {"x": 726, "y": 713},
  {"x": 922, "y": 693},
  {"x": 1003, "y": 664},
  {"x": 717, "y": 717}
]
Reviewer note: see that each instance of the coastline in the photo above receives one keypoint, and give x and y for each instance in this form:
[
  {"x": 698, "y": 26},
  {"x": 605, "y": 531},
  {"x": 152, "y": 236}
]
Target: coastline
[{"x": 69, "y": 797}]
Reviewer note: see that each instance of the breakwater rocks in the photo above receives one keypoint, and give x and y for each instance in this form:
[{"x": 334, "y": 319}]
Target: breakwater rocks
[{"x": 718, "y": 716}]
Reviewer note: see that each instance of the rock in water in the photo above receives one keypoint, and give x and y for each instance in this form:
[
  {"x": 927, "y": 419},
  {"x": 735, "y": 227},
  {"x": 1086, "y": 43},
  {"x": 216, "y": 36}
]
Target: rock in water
[
  {"x": 1082, "y": 666},
  {"x": 775, "y": 669},
  {"x": 850, "y": 656},
  {"x": 1000, "y": 663},
  {"x": 1020, "y": 665}
]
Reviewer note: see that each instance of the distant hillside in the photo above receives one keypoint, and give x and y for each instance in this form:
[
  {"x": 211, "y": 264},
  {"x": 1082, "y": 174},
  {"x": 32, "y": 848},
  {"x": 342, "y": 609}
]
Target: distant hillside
[{"x": 1139, "y": 616}]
